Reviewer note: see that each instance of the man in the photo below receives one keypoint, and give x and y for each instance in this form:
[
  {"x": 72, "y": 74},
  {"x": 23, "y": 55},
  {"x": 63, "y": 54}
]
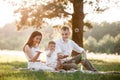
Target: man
[{"x": 66, "y": 46}]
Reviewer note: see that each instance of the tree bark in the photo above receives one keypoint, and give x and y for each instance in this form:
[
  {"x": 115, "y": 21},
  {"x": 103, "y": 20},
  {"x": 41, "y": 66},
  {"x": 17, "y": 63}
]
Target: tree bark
[{"x": 77, "y": 23}]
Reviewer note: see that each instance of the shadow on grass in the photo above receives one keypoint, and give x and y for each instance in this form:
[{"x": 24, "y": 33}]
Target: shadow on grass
[
  {"x": 42, "y": 75},
  {"x": 7, "y": 72},
  {"x": 106, "y": 66}
]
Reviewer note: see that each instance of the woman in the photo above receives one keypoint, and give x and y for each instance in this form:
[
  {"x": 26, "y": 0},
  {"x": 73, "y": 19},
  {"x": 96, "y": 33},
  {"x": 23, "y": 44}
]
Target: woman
[{"x": 32, "y": 52}]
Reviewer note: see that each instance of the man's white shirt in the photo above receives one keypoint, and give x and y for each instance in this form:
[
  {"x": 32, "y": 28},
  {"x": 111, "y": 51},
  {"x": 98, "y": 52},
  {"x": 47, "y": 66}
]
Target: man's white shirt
[{"x": 67, "y": 47}]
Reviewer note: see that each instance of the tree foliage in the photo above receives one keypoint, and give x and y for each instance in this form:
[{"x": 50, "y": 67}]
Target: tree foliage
[
  {"x": 106, "y": 43},
  {"x": 104, "y": 37},
  {"x": 37, "y": 11},
  {"x": 33, "y": 12},
  {"x": 99, "y": 30}
]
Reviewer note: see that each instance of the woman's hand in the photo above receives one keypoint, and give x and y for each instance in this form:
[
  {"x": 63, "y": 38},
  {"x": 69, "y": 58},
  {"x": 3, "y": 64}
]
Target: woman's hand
[
  {"x": 39, "y": 52},
  {"x": 34, "y": 60}
]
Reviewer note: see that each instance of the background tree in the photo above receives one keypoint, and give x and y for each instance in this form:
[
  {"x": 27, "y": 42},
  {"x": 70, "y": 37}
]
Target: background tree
[{"x": 35, "y": 12}]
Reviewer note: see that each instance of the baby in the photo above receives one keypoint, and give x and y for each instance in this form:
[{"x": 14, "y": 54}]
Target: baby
[{"x": 52, "y": 55}]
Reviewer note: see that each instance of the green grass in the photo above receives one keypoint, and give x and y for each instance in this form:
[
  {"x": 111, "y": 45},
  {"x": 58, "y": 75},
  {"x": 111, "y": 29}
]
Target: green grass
[{"x": 8, "y": 72}]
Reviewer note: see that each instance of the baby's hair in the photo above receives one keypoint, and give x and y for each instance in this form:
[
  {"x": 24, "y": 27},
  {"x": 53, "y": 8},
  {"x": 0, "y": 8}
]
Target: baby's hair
[
  {"x": 64, "y": 28},
  {"x": 51, "y": 42}
]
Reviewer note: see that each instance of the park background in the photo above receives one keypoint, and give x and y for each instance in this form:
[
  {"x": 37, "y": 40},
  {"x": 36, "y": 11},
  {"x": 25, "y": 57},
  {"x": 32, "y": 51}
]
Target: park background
[{"x": 101, "y": 41}]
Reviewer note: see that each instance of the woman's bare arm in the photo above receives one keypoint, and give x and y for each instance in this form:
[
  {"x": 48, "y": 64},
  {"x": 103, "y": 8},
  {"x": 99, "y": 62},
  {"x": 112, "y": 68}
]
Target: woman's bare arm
[{"x": 28, "y": 52}]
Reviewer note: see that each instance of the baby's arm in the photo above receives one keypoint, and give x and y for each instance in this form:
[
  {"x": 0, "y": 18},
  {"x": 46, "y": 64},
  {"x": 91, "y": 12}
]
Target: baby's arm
[{"x": 49, "y": 54}]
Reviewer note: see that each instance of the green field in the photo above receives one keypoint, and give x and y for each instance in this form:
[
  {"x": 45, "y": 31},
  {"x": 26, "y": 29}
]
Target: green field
[{"x": 8, "y": 71}]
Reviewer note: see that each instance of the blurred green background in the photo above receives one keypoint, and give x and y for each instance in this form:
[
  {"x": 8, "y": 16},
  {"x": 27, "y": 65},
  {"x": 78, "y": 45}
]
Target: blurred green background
[{"x": 104, "y": 37}]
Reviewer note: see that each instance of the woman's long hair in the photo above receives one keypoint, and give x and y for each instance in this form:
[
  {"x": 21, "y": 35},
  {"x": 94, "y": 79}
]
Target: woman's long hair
[{"x": 30, "y": 40}]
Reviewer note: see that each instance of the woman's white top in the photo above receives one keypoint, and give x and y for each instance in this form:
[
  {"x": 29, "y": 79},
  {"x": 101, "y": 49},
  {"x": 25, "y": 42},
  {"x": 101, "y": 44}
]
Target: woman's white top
[
  {"x": 37, "y": 65},
  {"x": 34, "y": 52}
]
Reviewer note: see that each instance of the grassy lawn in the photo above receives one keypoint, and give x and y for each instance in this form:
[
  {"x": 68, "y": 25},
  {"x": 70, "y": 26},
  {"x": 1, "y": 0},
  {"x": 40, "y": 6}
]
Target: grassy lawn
[{"x": 8, "y": 72}]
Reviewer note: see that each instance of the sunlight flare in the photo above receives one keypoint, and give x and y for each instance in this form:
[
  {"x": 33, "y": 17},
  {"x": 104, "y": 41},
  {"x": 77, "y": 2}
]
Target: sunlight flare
[{"x": 6, "y": 13}]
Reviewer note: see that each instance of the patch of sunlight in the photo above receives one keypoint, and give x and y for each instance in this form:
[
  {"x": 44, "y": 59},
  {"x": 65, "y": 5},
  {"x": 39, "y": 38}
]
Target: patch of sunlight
[
  {"x": 49, "y": 74},
  {"x": 12, "y": 56},
  {"x": 104, "y": 57}
]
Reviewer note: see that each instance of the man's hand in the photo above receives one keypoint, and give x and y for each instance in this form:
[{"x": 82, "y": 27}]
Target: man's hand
[
  {"x": 84, "y": 56},
  {"x": 61, "y": 56},
  {"x": 65, "y": 56}
]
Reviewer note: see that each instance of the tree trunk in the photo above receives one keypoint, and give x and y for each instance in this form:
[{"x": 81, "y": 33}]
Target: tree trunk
[{"x": 77, "y": 23}]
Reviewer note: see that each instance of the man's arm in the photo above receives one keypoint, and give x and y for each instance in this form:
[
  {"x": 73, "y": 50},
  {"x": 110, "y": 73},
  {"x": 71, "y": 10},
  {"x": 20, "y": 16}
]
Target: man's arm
[{"x": 79, "y": 49}]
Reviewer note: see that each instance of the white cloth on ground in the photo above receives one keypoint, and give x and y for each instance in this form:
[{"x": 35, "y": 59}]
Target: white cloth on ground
[{"x": 37, "y": 65}]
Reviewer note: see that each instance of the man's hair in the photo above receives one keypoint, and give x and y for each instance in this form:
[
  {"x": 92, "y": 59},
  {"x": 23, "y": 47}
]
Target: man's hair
[
  {"x": 51, "y": 42},
  {"x": 64, "y": 28}
]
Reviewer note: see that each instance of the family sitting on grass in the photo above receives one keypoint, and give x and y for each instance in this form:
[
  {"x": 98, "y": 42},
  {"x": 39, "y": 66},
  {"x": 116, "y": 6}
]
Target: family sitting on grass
[{"x": 58, "y": 54}]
